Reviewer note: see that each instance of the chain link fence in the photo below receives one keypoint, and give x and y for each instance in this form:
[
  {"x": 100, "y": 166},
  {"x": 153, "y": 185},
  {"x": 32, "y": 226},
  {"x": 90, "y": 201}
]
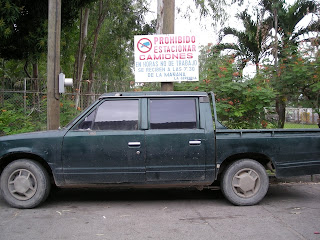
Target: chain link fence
[{"x": 23, "y": 107}]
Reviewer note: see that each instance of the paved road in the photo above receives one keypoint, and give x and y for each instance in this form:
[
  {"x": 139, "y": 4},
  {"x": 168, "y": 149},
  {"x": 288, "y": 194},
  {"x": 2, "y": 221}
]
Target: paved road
[{"x": 289, "y": 211}]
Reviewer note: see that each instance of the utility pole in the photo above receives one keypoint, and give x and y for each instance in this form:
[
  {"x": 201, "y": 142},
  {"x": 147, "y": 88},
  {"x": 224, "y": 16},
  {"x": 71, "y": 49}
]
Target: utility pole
[
  {"x": 53, "y": 64},
  {"x": 166, "y": 9}
]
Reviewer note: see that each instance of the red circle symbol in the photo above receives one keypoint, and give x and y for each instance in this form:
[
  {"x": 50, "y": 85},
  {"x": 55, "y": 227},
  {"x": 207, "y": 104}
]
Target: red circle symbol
[{"x": 144, "y": 45}]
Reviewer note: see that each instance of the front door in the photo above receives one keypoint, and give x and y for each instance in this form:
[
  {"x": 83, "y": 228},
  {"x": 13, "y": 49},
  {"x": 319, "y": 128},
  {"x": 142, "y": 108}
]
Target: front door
[
  {"x": 175, "y": 143},
  {"x": 107, "y": 146}
]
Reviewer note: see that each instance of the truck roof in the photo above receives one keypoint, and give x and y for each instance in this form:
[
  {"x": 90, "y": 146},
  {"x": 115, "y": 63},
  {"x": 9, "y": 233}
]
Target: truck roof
[{"x": 154, "y": 94}]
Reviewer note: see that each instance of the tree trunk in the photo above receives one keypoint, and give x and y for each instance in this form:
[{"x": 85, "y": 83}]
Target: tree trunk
[
  {"x": 281, "y": 111},
  {"x": 275, "y": 45},
  {"x": 35, "y": 71},
  {"x": 102, "y": 15},
  {"x": 259, "y": 34},
  {"x": 25, "y": 68},
  {"x": 81, "y": 54},
  {"x": 257, "y": 67},
  {"x": 280, "y": 100}
]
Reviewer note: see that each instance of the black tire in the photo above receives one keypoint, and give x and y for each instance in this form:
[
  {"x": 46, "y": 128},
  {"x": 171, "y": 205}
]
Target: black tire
[
  {"x": 245, "y": 182},
  {"x": 24, "y": 184}
]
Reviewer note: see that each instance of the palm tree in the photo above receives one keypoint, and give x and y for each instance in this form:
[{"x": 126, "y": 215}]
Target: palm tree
[
  {"x": 251, "y": 45},
  {"x": 252, "y": 42}
]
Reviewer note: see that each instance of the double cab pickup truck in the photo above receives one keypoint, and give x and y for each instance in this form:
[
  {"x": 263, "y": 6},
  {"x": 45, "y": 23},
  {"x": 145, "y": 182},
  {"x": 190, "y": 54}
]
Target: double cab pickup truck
[{"x": 153, "y": 139}]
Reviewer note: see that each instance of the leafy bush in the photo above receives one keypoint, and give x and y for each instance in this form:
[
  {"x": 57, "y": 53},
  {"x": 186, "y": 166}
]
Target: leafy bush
[{"x": 13, "y": 121}]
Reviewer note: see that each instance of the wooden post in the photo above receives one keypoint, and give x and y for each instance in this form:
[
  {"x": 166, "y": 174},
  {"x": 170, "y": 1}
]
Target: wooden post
[
  {"x": 168, "y": 28},
  {"x": 53, "y": 64}
]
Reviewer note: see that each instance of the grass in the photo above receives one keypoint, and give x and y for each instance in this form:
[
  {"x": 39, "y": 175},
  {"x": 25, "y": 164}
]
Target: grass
[{"x": 297, "y": 125}]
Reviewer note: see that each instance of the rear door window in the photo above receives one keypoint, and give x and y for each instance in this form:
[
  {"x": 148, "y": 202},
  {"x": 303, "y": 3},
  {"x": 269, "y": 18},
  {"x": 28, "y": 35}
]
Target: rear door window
[{"x": 172, "y": 114}]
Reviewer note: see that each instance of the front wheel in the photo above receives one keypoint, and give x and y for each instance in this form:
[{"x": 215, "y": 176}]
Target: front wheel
[
  {"x": 24, "y": 184},
  {"x": 245, "y": 182}
]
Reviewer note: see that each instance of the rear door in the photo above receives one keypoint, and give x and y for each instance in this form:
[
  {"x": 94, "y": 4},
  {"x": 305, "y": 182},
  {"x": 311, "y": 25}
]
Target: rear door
[
  {"x": 107, "y": 146},
  {"x": 174, "y": 141}
]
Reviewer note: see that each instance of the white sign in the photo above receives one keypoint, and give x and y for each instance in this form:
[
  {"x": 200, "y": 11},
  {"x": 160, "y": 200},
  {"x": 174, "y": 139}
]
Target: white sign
[{"x": 166, "y": 58}]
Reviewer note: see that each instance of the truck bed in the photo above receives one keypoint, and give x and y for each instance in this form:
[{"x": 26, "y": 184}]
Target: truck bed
[{"x": 293, "y": 152}]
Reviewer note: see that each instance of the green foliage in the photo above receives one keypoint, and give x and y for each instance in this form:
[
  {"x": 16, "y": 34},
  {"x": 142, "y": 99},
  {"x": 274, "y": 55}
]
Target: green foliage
[
  {"x": 240, "y": 103},
  {"x": 23, "y": 26},
  {"x": 13, "y": 121},
  {"x": 250, "y": 45},
  {"x": 290, "y": 74},
  {"x": 112, "y": 63},
  {"x": 297, "y": 79},
  {"x": 114, "y": 54},
  {"x": 306, "y": 71},
  {"x": 67, "y": 111}
]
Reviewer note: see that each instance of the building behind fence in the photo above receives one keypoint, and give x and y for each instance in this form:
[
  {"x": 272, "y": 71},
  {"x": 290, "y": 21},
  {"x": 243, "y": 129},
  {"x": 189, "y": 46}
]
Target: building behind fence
[
  {"x": 295, "y": 117},
  {"x": 301, "y": 115},
  {"x": 23, "y": 102}
]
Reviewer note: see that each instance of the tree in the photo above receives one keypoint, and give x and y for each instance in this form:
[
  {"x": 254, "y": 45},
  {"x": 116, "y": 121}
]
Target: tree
[
  {"x": 107, "y": 51},
  {"x": 240, "y": 104},
  {"x": 81, "y": 55},
  {"x": 23, "y": 28},
  {"x": 304, "y": 74},
  {"x": 284, "y": 23},
  {"x": 251, "y": 45}
]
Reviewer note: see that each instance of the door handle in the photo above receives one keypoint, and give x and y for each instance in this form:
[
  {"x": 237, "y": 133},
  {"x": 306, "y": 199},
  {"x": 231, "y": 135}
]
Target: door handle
[
  {"x": 134, "y": 144},
  {"x": 194, "y": 142}
]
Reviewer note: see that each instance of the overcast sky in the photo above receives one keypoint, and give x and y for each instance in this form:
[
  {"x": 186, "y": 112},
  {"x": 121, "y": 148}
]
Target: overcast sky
[{"x": 203, "y": 27}]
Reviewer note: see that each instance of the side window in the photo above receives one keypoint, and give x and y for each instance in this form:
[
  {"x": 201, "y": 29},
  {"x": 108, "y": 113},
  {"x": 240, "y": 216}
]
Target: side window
[
  {"x": 173, "y": 113},
  {"x": 86, "y": 123},
  {"x": 117, "y": 115}
]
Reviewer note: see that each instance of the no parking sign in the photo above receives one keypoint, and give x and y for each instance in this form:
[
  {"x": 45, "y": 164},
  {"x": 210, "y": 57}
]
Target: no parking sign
[
  {"x": 144, "y": 45},
  {"x": 166, "y": 58}
]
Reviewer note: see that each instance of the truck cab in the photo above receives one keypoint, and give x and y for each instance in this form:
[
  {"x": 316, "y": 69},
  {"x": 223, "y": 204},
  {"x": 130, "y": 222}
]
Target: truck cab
[{"x": 142, "y": 138}]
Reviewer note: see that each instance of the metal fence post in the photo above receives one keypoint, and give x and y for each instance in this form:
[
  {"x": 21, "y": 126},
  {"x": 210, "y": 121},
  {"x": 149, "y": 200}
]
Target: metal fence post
[{"x": 25, "y": 95}]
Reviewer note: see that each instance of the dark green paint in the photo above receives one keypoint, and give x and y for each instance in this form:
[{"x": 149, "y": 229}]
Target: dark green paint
[
  {"x": 170, "y": 157},
  {"x": 103, "y": 157},
  {"x": 293, "y": 152}
]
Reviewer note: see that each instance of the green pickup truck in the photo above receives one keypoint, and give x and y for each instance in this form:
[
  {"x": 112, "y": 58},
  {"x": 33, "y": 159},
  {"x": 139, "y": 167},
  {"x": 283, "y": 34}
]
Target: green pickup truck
[{"x": 153, "y": 139}]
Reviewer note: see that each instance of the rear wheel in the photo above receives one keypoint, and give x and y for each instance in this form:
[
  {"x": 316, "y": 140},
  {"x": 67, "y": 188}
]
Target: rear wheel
[
  {"x": 24, "y": 184},
  {"x": 245, "y": 182}
]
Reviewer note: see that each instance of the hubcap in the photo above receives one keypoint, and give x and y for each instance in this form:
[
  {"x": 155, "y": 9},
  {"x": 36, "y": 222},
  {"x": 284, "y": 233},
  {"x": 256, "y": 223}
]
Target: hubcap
[
  {"x": 22, "y": 184},
  {"x": 246, "y": 183}
]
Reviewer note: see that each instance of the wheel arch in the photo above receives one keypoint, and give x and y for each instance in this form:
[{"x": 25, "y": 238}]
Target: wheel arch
[
  {"x": 7, "y": 159},
  {"x": 264, "y": 160}
]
